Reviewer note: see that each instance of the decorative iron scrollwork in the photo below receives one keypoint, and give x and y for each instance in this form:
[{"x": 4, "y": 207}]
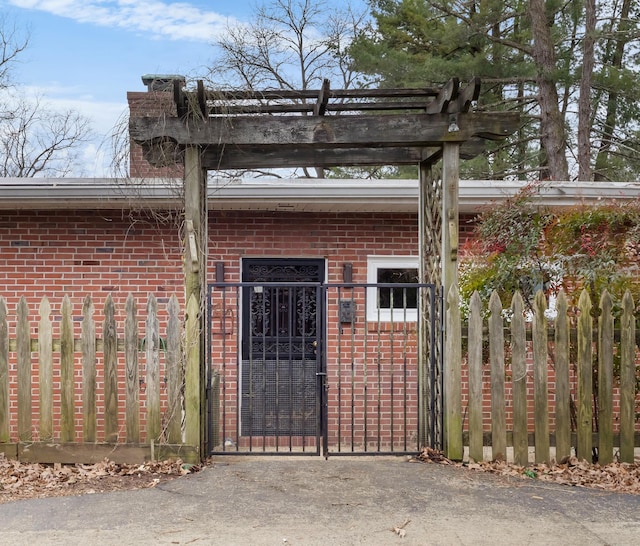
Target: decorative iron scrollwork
[{"x": 283, "y": 319}]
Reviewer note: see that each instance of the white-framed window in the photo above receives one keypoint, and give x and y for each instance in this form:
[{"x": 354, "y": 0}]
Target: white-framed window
[{"x": 388, "y": 303}]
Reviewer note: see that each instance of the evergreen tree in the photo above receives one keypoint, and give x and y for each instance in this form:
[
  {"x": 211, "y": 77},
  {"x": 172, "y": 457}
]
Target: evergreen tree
[{"x": 529, "y": 54}]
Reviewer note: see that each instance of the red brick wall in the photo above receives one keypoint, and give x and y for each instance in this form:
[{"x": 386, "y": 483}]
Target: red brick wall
[
  {"x": 80, "y": 253},
  {"x": 87, "y": 252},
  {"x": 338, "y": 237}
]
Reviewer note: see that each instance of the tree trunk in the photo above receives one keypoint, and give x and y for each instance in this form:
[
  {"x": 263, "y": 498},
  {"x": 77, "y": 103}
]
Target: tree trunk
[
  {"x": 622, "y": 38},
  {"x": 584, "y": 101},
  {"x": 552, "y": 132}
]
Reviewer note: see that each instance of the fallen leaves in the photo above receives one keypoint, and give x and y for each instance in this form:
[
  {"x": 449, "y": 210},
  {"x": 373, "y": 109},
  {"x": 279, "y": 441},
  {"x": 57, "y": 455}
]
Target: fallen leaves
[
  {"x": 24, "y": 480},
  {"x": 618, "y": 477},
  {"x": 32, "y": 480}
]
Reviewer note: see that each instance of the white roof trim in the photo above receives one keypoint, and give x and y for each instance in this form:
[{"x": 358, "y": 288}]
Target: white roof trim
[{"x": 285, "y": 194}]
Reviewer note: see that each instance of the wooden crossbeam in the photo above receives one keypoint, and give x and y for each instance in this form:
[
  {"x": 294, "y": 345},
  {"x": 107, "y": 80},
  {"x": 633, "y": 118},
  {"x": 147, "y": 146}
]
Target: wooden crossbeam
[
  {"x": 231, "y": 157},
  {"x": 229, "y": 96},
  {"x": 342, "y": 107},
  {"x": 229, "y": 102},
  {"x": 328, "y": 132},
  {"x": 205, "y": 102}
]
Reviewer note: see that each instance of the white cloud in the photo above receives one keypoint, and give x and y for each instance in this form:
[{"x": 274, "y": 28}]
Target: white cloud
[
  {"x": 103, "y": 115},
  {"x": 172, "y": 20}
]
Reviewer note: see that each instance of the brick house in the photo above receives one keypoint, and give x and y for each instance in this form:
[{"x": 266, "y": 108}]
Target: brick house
[
  {"x": 309, "y": 344},
  {"x": 101, "y": 237}
]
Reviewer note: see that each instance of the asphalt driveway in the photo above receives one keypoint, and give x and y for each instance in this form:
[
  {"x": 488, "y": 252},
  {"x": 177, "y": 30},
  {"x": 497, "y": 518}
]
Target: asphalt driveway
[{"x": 312, "y": 501}]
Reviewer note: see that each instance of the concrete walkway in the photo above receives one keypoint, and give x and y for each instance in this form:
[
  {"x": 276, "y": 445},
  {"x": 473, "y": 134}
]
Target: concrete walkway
[{"x": 310, "y": 501}]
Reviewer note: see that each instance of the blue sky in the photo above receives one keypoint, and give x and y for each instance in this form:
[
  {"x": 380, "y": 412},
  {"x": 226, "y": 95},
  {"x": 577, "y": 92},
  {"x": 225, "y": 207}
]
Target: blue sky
[{"x": 86, "y": 54}]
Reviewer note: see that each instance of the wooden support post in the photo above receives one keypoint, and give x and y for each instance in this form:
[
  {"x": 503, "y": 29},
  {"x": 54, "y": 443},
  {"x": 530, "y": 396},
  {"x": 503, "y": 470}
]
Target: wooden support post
[
  {"x": 194, "y": 204},
  {"x": 453, "y": 448},
  {"x": 449, "y": 257},
  {"x": 195, "y": 260},
  {"x": 423, "y": 331},
  {"x": 450, "y": 216},
  {"x": 193, "y": 375}
]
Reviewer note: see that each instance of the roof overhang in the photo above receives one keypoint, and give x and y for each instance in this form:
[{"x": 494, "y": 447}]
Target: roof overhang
[{"x": 300, "y": 195}]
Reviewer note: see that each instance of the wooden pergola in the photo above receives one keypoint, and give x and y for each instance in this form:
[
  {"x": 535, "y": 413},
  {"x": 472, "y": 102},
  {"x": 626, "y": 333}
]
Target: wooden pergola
[
  {"x": 219, "y": 130},
  {"x": 323, "y": 128}
]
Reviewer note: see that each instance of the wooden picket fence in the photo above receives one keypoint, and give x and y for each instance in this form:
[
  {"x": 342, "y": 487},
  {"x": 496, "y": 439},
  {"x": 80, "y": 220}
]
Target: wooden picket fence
[
  {"x": 52, "y": 428},
  {"x": 556, "y": 357}
]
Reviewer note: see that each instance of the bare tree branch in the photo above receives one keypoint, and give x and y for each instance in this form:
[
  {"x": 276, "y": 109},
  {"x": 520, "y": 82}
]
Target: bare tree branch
[
  {"x": 12, "y": 44},
  {"x": 291, "y": 44},
  {"x": 37, "y": 141}
]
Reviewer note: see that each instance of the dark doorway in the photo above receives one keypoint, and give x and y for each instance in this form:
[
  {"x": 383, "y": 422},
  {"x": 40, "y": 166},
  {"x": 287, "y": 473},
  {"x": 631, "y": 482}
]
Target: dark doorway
[{"x": 282, "y": 333}]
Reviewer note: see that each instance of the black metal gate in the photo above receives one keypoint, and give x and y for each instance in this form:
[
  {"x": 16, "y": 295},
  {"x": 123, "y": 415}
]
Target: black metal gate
[{"x": 298, "y": 366}]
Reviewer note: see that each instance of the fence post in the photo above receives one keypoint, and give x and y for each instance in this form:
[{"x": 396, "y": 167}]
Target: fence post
[
  {"x": 476, "y": 450},
  {"x": 627, "y": 379},
  {"x": 192, "y": 373},
  {"x": 132, "y": 401},
  {"x": 540, "y": 379},
  {"x": 519, "y": 381},
  {"x": 153, "y": 370},
  {"x": 174, "y": 373},
  {"x": 453, "y": 377},
  {"x": 605, "y": 381},
  {"x": 585, "y": 380},
  {"x": 110, "y": 371},
  {"x": 23, "y": 349},
  {"x": 4, "y": 373},
  {"x": 45, "y": 370},
  {"x": 67, "y": 387},
  {"x": 563, "y": 394},
  {"x": 496, "y": 357},
  {"x": 88, "y": 343}
]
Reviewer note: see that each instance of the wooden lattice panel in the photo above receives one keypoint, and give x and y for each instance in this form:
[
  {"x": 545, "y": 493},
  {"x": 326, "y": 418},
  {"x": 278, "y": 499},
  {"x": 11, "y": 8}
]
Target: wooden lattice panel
[{"x": 431, "y": 269}]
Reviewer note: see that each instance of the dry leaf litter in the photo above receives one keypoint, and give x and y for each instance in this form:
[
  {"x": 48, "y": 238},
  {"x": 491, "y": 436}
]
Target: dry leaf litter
[
  {"x": 616, "y": 477},
  {"x": 20, "y": 480},
  {"x": 31, "y": 480}
]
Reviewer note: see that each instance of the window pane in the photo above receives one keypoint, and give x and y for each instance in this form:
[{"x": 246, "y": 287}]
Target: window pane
[{"x": 397, "y": 298}]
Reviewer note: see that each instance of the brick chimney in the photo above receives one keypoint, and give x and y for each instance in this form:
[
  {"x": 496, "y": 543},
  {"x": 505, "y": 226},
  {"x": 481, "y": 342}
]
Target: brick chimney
[{"x": 157, "y": 102}]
